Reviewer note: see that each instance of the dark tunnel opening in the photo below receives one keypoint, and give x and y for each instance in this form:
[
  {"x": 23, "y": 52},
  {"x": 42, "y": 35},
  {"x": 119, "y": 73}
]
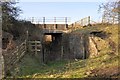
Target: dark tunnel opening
[{"x": 52, "y": 43}]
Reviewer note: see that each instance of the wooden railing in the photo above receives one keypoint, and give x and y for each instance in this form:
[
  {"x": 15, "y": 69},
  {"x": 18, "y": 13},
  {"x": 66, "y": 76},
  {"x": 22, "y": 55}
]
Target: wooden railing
[{"x": 84, "y": 21}]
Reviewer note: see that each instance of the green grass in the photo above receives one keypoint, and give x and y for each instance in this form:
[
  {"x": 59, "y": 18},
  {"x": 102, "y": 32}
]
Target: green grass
[{"x": 65, "y": 69}]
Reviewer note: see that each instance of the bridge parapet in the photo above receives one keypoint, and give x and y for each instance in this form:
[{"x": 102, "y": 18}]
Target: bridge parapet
[
  {"x": 52, "y": 25},
  {"x": 49, "y": 20}
]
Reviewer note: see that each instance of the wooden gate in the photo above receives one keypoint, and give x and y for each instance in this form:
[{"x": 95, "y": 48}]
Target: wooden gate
[{"x": 34, "y": 46}]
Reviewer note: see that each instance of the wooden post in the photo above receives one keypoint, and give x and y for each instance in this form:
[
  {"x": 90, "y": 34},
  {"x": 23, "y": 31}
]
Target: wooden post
[
  {"x": 32, "y": 19},
  {"x": 27, "y": 35},
  {"x": 61, "y": 52},
  {"x": 25, "y": 45},
  {"x": 82, "y": 22},
  {"x": 26, "y": 41},
  {"x": 35, "y": 47},
  {"x": 88, "y": 19}
]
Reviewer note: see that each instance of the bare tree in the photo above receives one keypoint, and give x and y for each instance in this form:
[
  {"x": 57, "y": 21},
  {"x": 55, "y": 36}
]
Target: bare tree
[{"x": 110, "y": 11}]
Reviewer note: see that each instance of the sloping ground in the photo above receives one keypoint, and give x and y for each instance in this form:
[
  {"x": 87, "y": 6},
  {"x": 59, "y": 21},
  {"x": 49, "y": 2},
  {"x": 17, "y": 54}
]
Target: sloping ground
[{"x": 104, "y": 65}]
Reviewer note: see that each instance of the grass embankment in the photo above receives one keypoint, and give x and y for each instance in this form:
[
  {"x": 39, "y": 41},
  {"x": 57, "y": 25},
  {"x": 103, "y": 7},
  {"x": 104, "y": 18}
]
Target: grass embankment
[{"x": 105, "y": 65}]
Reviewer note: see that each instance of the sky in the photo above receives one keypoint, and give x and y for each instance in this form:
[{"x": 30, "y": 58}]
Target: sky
[{"x": 74, "y": 9}]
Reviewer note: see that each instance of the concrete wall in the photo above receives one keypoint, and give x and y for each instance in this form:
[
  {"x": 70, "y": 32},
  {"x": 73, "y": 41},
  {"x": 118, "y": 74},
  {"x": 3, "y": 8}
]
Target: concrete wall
[
  {"x": 75, "y": 46},
  {"x": 81, "y": 46}
]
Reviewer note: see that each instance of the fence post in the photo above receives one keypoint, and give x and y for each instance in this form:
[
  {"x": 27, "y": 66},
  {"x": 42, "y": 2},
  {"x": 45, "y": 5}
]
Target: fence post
[
  {"x": 26, "y": 41},
  {"x": 32, "y": 19},
  {"x": 35, "y": 48},
  {"x": 81, "y": 22},
  {"x": 61, "y": 52},
  {"x": 88, "y": 19},
  {"x": 25, "y": 45}
]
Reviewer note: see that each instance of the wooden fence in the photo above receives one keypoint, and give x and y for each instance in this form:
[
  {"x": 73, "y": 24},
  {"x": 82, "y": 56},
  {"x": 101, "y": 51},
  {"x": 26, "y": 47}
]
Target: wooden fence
[
  {"x": 11, "y": 58},
  {"x": 34, "y": 46},
  {"x": 84, "y": 22}
]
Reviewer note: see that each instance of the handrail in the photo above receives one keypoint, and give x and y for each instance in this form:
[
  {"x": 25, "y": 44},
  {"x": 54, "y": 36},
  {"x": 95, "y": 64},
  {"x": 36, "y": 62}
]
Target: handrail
[{"x": 44, "y": 20}]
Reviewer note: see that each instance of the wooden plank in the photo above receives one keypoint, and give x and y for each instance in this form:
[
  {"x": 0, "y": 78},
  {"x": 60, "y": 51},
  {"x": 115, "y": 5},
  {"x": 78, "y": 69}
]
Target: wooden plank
[
  {"x": 31, "y": 45},
  {"x": 22, "y": 47},
  {"x": 34, "y": 41},
  {"x": 22, "y": 51},
  {"x": 38, "y": 49},
  {"x": 34, "y": 45},
  {"x": 35, "y": 50},
  {"x": 22, "y": 44}
]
